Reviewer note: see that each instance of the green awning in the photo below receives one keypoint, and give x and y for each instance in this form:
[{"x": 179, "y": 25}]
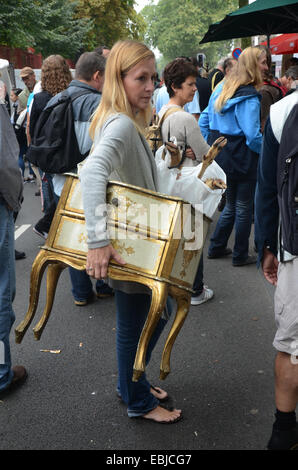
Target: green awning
[{"x": 262, "y": 17}]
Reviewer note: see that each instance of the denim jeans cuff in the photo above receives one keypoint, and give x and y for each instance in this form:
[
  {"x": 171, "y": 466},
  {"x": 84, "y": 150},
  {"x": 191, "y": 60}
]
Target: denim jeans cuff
[{"x": 135, "y": 413}]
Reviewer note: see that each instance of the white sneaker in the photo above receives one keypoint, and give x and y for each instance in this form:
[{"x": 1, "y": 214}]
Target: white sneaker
[
  {"x": 206, "y": 295},
  {"x": 40, "y": 233}
]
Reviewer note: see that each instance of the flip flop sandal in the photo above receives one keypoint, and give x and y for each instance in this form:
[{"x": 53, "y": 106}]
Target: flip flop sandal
[{"x": 179, "y": 418}]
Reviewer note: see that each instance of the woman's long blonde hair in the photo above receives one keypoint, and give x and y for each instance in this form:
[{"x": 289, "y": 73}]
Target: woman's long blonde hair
[
  {"x": 123, "y": 56},
  {"x": 245, "y": 72}
]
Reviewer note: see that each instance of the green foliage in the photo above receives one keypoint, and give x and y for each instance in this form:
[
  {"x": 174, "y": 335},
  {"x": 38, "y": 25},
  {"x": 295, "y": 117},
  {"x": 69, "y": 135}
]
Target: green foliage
[
  {"x": 47, "y": 25},
  {"x": 68, "y": 27},
  {"x": 112, "y": 20},
  {"x": 176, "y": 27}
]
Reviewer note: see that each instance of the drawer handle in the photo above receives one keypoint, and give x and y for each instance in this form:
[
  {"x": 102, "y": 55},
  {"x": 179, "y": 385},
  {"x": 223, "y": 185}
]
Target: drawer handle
[{"x": 115, "y": 202}]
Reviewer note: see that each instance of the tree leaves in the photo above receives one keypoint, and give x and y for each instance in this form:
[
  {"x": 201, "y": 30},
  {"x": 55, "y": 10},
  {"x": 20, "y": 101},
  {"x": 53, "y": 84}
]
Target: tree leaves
[
  {"x": 176, "y": 27},
  {"x": 112, "y": 20},
  {"x": 68, "y": 27},
  {"x": 49, "y": 26}
]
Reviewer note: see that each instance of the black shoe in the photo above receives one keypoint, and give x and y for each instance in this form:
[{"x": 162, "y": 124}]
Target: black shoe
[
  {"x": 220, "y": 253},
  {"x": 19, "y": 377},
  {"x": 87, "y": 301},
  {"x": 19, "y": 254},
  {"x": 249, "y": 260},
  {"x": 284, "y": 440},
  {"x": 104, "y": 291}
]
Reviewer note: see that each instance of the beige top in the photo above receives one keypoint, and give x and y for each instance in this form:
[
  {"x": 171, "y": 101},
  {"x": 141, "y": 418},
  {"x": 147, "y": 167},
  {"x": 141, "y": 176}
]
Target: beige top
[{"x": 185, "y": 128}]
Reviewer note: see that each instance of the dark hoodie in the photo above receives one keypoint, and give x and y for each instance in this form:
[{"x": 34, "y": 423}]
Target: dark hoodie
[{"x": 239, "y": 121}]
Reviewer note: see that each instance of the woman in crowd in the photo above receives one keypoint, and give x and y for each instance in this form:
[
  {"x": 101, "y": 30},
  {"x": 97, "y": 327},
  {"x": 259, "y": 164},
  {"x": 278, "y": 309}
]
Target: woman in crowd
[
  {"x": 180, "y": 79},
  {"x": 120, "y": 151},
  {"x": 234, "y": 112},
  {"x": 55, "y": 77}
]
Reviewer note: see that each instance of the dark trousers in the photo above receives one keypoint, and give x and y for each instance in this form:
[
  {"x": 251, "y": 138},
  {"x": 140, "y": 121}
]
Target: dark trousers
[
  {"x": 198, "y": 284},
  {"x": 237, "y": 213}
]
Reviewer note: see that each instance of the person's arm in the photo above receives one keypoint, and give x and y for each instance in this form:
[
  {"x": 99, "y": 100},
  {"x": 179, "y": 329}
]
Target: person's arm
[
  {"x": 11, "y": 182},
  {"x": 195, "y": 140},
  {"x": 34, "y": 114},
  {"x": 266, "y": 203},
  {"x": 204, "y": 123},
  {"x": 28, "y": 129},
  {"x": 266, "y": 102},
  {"x": 108, "y": 154},
  {"x": 248, "y": 117}
]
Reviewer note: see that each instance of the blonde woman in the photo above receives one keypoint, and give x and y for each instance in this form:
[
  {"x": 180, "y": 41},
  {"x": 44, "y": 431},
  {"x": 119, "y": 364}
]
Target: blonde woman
[
  {"x": 234, "y": 112},
  {"x": 120, "y": 151}
]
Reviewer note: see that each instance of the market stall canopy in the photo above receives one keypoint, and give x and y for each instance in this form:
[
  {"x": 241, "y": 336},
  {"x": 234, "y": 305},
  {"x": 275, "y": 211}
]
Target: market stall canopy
[
  {"x": 262, "y": 17},
  {"x": 283, "y": 44}
]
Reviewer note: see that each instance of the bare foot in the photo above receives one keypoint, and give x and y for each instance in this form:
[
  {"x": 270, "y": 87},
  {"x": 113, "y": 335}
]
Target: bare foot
[
  {"x": 162, "y": 415},
  {"x": 158, "y": 392}
]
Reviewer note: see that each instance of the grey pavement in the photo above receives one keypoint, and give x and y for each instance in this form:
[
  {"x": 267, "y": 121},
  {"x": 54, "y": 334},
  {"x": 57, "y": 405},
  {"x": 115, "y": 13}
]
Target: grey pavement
[{"x": 221, "y": 368}]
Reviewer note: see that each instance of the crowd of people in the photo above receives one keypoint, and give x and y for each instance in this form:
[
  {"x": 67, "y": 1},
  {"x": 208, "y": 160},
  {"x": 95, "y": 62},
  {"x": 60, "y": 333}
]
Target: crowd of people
[{"x": 240, "y": 100}]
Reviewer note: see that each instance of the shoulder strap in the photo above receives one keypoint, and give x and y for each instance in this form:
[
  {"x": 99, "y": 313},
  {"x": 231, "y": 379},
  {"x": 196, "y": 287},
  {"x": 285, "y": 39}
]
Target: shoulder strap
[
  {"x": 76, "y": 95},
  {"x": 65, "y": 95},
  {"x": 168, "y": 112},
  {"x": 213, "y": 80}
]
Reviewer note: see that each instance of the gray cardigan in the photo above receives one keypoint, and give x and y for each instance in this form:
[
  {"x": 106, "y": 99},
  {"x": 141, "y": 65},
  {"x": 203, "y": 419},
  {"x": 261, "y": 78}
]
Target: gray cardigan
[
  {"x": 120, "y": 153},
  {"x": 11, "y": 181}
]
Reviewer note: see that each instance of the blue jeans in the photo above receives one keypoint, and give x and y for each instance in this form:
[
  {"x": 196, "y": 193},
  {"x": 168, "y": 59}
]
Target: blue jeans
[
  {"x": 23, "y": 151},
  {"x": 7, "y": 291},
  {"x": 47, "y": 189},
  {"x": 132, "y": 310},
  {"x": 82, "y": 288},
  {"x": 238, "y": 211}
]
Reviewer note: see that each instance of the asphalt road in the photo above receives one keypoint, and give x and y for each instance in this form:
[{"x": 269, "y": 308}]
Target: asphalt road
[{"x": 221, "y": 377}]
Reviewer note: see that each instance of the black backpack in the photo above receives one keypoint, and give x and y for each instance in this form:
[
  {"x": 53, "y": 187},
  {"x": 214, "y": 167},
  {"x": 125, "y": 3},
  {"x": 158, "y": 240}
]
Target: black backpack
[
  {"x": 287, "y": 184},
  {"x": 54, "y": 147}
]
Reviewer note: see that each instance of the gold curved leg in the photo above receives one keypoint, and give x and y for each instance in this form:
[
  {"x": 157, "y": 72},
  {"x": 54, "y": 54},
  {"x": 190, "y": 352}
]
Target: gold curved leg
[
  {"x": 183, "y": 302},
  {"x": 38, "y": 268},
  {"x": 53, "y": 274},
  {"x": 159, "y": 297}
]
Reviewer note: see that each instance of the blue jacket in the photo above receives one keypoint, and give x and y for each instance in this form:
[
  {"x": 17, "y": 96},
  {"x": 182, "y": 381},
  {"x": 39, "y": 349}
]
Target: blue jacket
[{"x": 239, "y": 121}]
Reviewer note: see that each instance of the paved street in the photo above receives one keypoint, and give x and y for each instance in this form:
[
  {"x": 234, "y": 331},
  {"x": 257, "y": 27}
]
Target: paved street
[{"x": 222, "y": 367}]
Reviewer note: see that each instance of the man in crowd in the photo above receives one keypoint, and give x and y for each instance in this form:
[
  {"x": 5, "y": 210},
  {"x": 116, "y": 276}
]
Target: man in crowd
[
  {"x": 89, "y": 76},
  {"x": 228, "y": 65},
  {"x": 216, "y": 75},
  {"x": 279, "y": 262},
  {"x": 11, "y": 190},
  {"x": 102, "y": 50},
  {"x": 28, "y": 77}
]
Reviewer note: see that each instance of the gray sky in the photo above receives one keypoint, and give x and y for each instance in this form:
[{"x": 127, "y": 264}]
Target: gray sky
[{"x": 140, "y": 4}]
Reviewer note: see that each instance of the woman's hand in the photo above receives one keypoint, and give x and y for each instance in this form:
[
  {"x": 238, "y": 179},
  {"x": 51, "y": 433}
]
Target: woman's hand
[
  {"x": 189, "y": 153},
  {"x": 98, "y": 260},
  {"x": 172, "y": 148}
]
